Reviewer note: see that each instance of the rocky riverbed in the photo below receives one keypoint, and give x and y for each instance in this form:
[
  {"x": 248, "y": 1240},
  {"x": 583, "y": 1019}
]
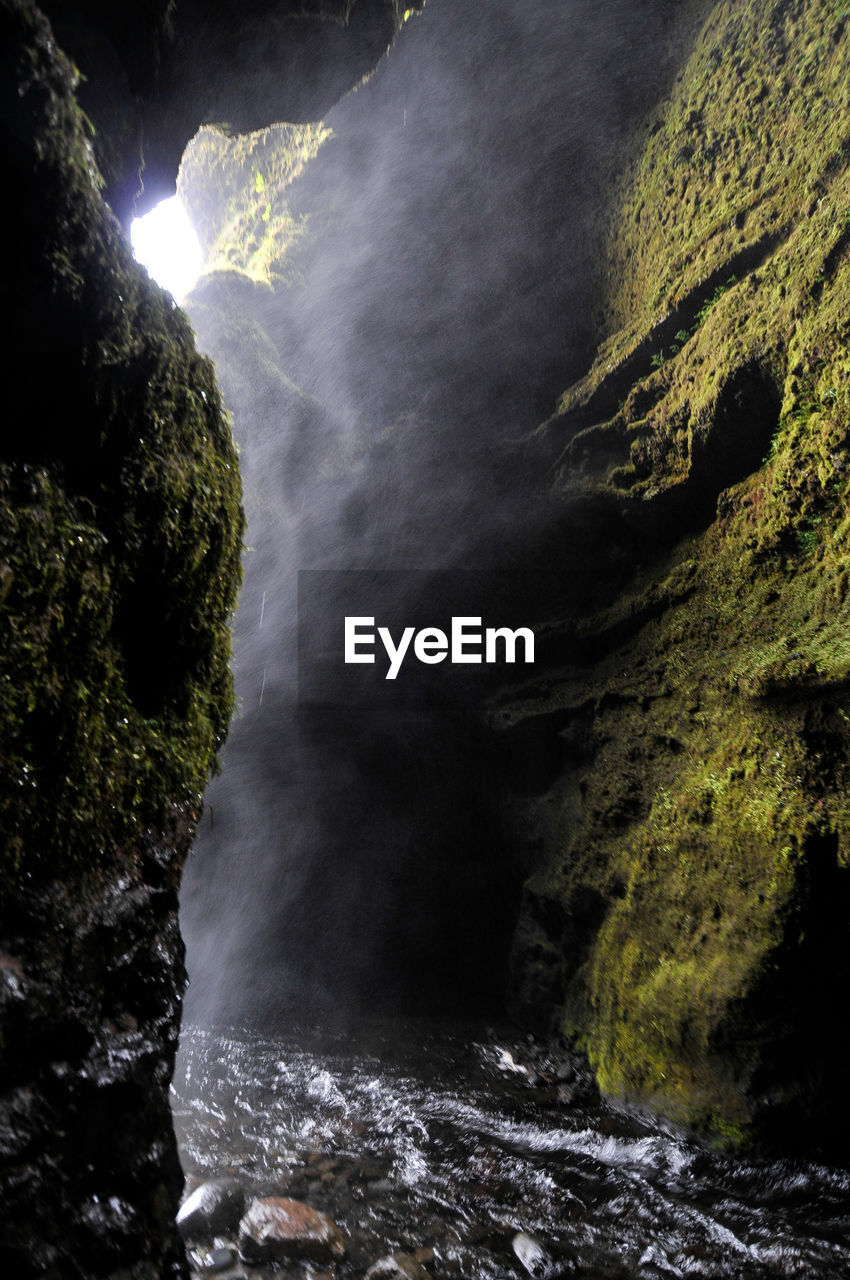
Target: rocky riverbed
[{"x": 415, "y": 1149}]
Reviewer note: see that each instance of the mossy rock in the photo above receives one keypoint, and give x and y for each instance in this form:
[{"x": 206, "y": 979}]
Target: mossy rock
[
  {"x": 708, "y": 823},
  {"x": 120, "y": 540},
  {"x": 120, "y": 512}
]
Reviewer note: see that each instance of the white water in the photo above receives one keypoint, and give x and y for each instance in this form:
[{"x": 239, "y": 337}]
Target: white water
[{"x": 412, "y": 1135}]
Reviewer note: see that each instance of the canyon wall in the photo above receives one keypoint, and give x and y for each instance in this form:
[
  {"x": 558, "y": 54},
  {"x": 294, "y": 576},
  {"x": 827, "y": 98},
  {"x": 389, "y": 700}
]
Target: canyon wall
[
  {"x": 675, "y": 771},
  {"x": 687, "y": 916}
]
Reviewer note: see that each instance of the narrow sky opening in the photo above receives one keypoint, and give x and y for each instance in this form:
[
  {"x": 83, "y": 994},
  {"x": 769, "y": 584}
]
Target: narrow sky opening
[{"x": 165, "y": 242}]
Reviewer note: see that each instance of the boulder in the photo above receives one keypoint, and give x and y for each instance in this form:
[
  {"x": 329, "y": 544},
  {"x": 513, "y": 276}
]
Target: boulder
[
  {"x": 212, "y": 1207},
  {"x": 276, "y": 1229}
]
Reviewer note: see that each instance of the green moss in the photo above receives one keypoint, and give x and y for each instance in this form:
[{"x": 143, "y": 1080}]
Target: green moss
[
  {"x": 238, "y": 191},
  {"x": 714, "y": 424},
  {"x": 120, "y": 521}
]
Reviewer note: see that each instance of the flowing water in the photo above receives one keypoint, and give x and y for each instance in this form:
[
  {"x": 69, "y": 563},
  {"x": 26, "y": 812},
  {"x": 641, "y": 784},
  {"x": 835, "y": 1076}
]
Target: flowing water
[{"x": 418, "y": 1136}]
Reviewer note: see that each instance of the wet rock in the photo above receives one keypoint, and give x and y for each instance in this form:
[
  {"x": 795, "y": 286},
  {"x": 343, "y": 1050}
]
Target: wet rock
[
  {"x": 232, "y": 1272},
  {"x": 212, "y": 1207},
  {"x": 507, "y": 1062},
  {"x": 219, "y": 1259},
  {"x": 397, "y": 1266},
  {"x": 366, "y": 1170},
  {"x": 276, "y": 1229},
  {"x": 531, "y": 1254}
]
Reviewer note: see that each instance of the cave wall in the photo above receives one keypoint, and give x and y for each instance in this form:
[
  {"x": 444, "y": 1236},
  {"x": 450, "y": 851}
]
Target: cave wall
[
  {"x": 687, "y": 912},
  {"x": 120, "y": 535},
  {"x": 677, "y": 771},
  {"x": 390, "y": 296},
  {"x": 153, "y": 73}
]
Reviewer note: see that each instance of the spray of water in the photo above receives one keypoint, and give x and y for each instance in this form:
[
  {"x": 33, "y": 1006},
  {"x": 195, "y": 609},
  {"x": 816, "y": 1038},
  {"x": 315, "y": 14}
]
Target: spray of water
[{"x": 435, "y": 300}]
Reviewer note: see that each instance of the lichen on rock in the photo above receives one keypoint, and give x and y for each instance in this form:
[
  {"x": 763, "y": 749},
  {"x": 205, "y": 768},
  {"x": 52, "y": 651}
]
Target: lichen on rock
[
  {"x": 236, "y": 189},
  {"x": 122, "y": 524}
]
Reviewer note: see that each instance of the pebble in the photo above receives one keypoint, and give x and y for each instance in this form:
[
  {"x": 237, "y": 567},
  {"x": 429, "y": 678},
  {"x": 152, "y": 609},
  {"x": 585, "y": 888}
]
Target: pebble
[
  {"x": 212, "y": 1207},
  {"x": 219, "y": 1259},
  {"x": 276, "y": 1229},
  {"x": 531, "y": 1254},
  {"x": 397, "y": 1266}
]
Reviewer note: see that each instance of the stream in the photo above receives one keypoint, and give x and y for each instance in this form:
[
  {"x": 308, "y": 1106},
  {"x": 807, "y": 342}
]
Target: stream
[{"x": 425, "y": 1136}]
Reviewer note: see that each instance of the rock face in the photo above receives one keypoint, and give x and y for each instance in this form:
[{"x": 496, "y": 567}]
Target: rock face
[
  {"x": 380, "y": 304},
  {"x": 678, "y": 767},
  {"x": 156, "y": 72},
  {"x": 120, "y": 532},
  {"x": 213, "y": 1208},
  {"x": 684, "y": 759}
]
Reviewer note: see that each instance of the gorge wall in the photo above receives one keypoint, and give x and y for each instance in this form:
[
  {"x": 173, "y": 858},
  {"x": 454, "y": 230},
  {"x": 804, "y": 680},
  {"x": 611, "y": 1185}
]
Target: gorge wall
[
  {"x": 392, "y": 298},
  {"x": 687, "y": 915},
  {"x": 675, "y": 770}
]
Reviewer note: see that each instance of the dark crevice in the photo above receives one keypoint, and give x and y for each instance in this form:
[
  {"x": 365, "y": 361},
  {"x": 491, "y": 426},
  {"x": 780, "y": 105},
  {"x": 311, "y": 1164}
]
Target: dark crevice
[{"x": 809, "y": 1043}]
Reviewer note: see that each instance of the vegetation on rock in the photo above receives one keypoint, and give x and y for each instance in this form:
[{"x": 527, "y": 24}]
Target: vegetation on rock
[
  {"x": 120, "y": 541},
  {"x": 236, "y": 189},
  {"x": 692, "y": 916},
  {"x": 120, "y": 508}
]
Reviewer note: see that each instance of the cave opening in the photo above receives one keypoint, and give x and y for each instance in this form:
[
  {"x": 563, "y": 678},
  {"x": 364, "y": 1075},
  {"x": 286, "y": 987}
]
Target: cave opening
[{"x": 165, "y": 242}]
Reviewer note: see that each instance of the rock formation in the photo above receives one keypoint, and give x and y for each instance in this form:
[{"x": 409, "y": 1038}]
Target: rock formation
[
  {"x": 689, "y": 909},
  {"x": 678, "y": 763}
]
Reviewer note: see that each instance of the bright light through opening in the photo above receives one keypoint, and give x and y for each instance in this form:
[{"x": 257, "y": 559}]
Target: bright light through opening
[{"x": 164, "y": 241}]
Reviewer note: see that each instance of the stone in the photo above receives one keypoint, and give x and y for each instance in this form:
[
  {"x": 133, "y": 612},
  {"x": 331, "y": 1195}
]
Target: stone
[
  {"x": 276, "y": 1229},
  {"x": 531, "y": 1254},
  {"x": 397, "y": 1266},
  {"x": 219, "y": 1259},
  {"x": 212, "y": 1207}
]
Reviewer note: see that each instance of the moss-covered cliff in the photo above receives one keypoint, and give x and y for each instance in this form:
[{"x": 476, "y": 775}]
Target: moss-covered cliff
[
  {"x": 120, "y": 532},
  {"x": 689, "y": 914}
]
